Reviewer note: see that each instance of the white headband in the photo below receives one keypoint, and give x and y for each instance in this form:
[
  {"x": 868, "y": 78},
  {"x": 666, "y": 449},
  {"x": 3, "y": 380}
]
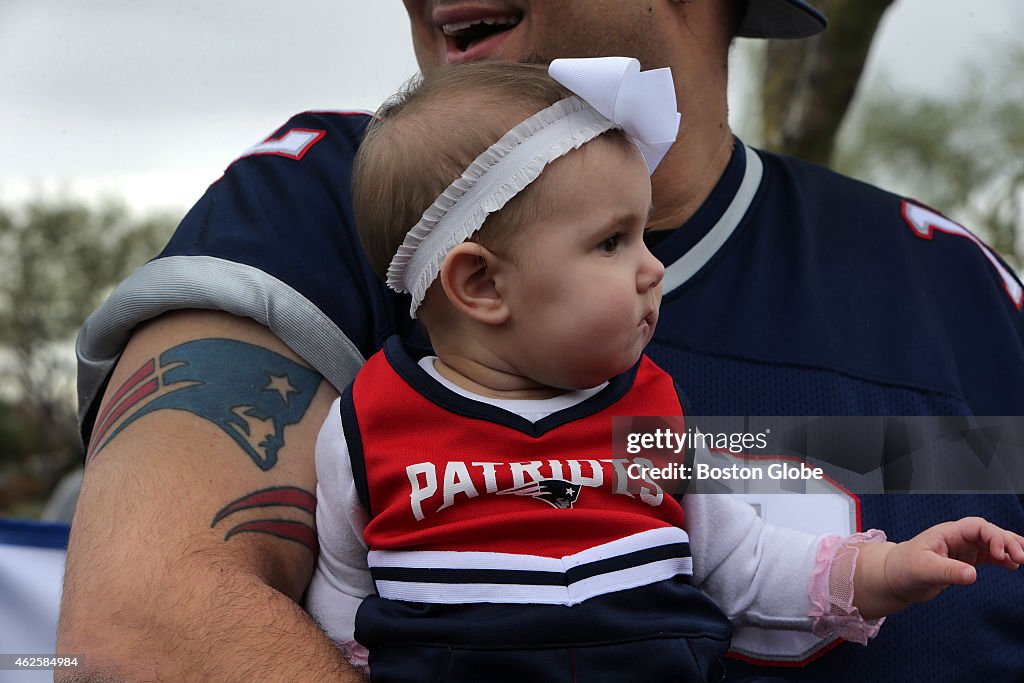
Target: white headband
[{"x": 611, "y": 92}]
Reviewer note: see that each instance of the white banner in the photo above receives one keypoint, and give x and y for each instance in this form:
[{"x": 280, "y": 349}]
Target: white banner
[{"x": 31, "y": 570}]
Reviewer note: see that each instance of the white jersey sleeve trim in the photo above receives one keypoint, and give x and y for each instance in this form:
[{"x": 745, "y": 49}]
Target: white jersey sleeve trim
[{"x": 179, "y": 282}]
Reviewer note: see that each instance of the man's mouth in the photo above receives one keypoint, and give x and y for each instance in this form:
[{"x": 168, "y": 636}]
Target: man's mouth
[{"x": 465, "y": 34}]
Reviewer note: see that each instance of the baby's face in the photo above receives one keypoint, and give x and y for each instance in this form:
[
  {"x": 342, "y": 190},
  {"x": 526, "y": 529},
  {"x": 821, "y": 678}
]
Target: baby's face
[{"x": 584, "y": 290}]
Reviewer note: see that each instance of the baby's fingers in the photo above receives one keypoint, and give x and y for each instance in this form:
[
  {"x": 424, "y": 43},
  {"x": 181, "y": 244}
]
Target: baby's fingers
[
  {"x": 1005, "y": 548},
  {"x": 957, "y": 573},
  {"x": 936, "y": 572}
]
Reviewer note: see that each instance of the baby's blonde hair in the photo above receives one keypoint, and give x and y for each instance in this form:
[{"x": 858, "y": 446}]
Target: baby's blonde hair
[{"x": 423, "y": 138}]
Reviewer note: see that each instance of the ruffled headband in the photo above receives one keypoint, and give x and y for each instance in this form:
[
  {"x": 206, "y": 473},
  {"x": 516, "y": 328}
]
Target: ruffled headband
[{"x": 610, "y": 92}]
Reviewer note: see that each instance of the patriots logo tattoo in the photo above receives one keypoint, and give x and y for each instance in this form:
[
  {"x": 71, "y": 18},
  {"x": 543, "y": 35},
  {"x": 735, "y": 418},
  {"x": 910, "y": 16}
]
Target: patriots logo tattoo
[
  {"x": 250, "y": 392},
  {"x": 274, "y": 497},
  {"x": 557, "y": 493}
]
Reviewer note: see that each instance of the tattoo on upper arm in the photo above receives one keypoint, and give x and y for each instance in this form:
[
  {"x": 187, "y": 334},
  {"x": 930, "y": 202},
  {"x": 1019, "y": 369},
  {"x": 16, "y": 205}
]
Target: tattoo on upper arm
[
  {"x": 276, "y": 496},
  {"x": 248, "y": 391}
]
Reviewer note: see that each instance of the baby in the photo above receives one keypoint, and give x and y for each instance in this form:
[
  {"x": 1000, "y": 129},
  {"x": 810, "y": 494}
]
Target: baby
[{"x": 472, "y": 523}]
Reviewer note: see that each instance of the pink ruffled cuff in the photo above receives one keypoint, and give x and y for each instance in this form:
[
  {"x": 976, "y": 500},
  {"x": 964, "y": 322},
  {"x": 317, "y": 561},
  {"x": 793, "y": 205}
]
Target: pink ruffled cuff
[
  {"x": 831, "y": 589},
  {"x": 356, "y": 654}
]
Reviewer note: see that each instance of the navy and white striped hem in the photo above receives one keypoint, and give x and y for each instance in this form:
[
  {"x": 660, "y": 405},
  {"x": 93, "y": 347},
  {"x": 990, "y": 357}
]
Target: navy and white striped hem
[{"x": 448, "y": 577}]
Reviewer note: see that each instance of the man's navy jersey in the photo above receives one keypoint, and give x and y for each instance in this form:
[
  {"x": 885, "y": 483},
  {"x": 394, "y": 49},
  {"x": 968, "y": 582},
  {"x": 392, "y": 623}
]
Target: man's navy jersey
[
  {"x": 797, "y": 291},
  {"x": 792, "y": 291}
]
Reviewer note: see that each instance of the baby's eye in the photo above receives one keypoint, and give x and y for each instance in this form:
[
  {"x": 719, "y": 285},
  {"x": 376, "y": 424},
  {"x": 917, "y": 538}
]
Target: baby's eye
[{"x": 611, "y": 244}]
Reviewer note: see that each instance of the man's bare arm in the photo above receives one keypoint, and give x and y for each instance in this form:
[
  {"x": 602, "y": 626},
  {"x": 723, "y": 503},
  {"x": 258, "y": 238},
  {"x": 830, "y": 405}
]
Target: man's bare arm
[{"x": 194, "y": 536}]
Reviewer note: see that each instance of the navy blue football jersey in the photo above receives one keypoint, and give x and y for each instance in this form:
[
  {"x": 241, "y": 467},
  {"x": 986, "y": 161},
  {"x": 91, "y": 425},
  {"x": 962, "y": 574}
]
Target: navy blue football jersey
[
  {"x": 797, "y": 291},
  {"x": 792, "y": 291}
]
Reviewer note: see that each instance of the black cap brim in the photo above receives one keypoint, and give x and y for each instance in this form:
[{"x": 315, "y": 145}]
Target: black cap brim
[{"x": 781, "y": 19}]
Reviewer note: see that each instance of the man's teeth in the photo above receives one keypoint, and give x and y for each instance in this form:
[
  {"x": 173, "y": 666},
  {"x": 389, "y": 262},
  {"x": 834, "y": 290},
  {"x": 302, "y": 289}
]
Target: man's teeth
[{"x": 457, "y": 27}]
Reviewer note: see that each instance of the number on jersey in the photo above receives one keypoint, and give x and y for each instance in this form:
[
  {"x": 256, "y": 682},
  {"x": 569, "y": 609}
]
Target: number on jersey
[
  {"x": 924, "y": 222},
  {"x": 293, "y": 144}
]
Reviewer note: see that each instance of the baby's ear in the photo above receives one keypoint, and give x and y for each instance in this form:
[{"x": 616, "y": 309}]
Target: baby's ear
[{"x": 468, "y": 276}]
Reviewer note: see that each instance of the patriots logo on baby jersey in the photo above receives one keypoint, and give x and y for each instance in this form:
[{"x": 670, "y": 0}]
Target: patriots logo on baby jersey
[
  {"x": 207, "y": 378},
  {"x": 557, "y": 493}
]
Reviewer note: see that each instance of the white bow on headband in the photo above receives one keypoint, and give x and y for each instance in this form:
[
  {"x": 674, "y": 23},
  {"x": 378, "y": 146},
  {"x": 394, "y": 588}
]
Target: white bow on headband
[
  {"x": 611, "y": 92},
  {"x": 641, "y": 103}
]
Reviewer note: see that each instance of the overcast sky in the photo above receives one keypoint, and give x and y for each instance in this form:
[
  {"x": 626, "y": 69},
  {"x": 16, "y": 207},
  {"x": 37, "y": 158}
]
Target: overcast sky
[{"x": 150, "y": 100}]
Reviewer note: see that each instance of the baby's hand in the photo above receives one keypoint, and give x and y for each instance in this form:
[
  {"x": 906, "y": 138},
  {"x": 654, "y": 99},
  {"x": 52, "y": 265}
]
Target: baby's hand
[
  {"x": 944, "y": 555},
  {"x": 891, "y": 576}
]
